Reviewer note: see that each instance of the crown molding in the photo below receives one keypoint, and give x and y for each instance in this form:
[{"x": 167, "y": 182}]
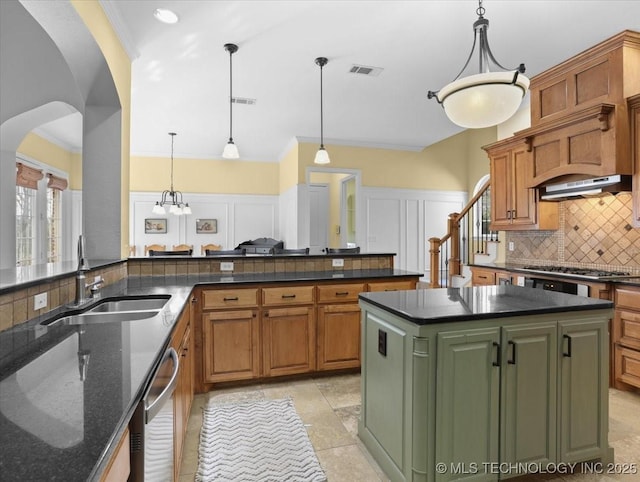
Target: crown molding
[{"x": 120, "y": 28}]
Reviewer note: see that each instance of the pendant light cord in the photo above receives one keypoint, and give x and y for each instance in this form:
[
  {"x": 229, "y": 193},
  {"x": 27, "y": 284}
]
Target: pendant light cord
[
  {"x": 230, "y": 95},
  {"x": 172, "y": 134}
]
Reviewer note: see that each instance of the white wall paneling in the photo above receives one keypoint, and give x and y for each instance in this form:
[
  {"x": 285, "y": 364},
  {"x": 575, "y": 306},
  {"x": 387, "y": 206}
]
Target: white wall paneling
[
  {"x": 288, "y": 214},
  {"x": 239, "y": 218}
]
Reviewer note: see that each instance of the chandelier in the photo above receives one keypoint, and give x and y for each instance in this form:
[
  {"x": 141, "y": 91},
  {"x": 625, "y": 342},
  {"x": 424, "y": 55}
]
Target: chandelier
[
  {"x": 171, "y": 198},
  {"x": 487, "y": 98}
]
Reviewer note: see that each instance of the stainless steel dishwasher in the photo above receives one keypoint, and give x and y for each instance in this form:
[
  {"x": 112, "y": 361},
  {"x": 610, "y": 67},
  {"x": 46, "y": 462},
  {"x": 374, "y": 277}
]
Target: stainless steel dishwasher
[{"x": 152, "y": 425}]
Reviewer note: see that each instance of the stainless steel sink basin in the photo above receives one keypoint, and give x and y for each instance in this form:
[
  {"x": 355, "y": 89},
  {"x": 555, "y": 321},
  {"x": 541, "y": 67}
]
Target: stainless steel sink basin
[
  {"x": 93, "y": 317},
  {"x": 146, "y": 304}
]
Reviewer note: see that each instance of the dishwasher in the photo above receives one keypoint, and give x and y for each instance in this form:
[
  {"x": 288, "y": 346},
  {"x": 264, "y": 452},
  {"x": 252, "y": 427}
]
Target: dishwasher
[{"x": 152, "y": 436}]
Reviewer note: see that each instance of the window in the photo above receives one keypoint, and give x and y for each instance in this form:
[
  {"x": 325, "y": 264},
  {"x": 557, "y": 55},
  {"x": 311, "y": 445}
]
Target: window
[
  {"x": 25, "y": 226},
  {"x": 53, "y": 225}
]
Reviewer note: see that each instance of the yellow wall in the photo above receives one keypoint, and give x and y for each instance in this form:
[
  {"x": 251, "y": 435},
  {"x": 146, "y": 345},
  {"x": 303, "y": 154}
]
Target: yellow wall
[
  {"x": 333, "y": 180},
  {"x": 119, "y": 64},
  {"x": 204, "y": 176},
  {"x": 289, "y": 169}
]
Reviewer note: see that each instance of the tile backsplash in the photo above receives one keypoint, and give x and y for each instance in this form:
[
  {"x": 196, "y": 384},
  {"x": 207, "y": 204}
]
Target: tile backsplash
[{"x": 594, "y": 233}]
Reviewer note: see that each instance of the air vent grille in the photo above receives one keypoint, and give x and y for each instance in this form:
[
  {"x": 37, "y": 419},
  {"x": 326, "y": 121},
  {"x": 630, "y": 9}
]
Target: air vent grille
[
  {"x": 243, "y": 100},
  {"x": 365, "y": 70}
]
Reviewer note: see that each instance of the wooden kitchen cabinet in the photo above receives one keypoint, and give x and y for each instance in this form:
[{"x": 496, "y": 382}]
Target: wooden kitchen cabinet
[
  {"x": 288, "y": 340},
  {"x": 626, "y": 338},
  {"x": 119, "y": 466},
  {"x": 634, "y": 109},
  {"x": 483, "y": 276},
  {"x": 389, "y": 285},
  {"x": 182, "y": 342},
  {"x": 338, "y": 326},
  {"x": 513, "y": 205}
]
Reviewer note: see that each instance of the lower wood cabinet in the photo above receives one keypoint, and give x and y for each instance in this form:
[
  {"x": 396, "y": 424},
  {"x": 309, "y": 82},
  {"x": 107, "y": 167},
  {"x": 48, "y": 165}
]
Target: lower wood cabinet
[
  {"x": 119, "y": 466},
  {"x": 288, "y": 340},
  {"x": 231, "y": 345},
  {"x": 626, "y": 338},
  {"x": 338, "y": 336}
]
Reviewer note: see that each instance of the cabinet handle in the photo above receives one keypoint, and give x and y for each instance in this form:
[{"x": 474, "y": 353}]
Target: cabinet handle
[
  {"x": 513, "y": 214},
  {"x": 194, "y": 299},
  {"x": 288, "y": 296},
  {"x": 509, "y": 214},
  {"x": 231, "y": 298},
  {"x": 390, "y": 289},
  {"x": 568, "y": 352},
  {"x": 482, "y": 277},
  {"x": 342, "y": 293},
  {"x": 512, "y": 360},
  {"x": 498, "y": 360}
]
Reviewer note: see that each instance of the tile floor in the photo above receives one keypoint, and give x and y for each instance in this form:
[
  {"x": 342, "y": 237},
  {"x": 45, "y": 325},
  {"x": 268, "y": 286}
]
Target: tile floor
[{"x": 330, "y": 407}]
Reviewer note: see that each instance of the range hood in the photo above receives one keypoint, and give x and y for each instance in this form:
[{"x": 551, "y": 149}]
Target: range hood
[{"x": 587, "y": 187}]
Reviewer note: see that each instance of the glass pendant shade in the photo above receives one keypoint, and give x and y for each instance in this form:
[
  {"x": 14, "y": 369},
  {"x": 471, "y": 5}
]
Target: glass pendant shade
[
  {"x": 483, "y": 100},
  {"x": 322, "y": 156},
  {"x": 157, "y": 209},
  {"x": 489, "y": 97},
  {"x": 230, "y": 151},
  {"x": 186, "y": 209}
]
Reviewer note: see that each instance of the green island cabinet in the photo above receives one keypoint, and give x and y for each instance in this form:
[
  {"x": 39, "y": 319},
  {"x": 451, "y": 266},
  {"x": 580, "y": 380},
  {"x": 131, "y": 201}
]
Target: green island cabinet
[{"x": 482, "y": 399}]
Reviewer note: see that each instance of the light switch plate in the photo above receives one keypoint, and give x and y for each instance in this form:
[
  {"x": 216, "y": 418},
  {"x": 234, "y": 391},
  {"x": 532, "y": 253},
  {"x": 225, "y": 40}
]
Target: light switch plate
[
  {"x": 226, "y": 266},
  {"x": 337, "y": 262},
  {"x": 511, "y": 246},
  {"x": 40, "y": 301}
]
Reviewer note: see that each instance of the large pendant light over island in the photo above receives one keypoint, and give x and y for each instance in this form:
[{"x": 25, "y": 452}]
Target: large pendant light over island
[
  {"x": 322, "y": 156},
  {"x": 487, "y": 98}
]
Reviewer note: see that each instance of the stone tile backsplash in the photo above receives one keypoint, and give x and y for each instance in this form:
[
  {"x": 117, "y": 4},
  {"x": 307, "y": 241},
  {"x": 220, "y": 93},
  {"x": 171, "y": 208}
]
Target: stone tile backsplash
[{"x": 594, "y": 233}]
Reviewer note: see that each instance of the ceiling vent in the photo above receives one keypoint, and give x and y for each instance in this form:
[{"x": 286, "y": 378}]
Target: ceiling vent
[
  {"x": 243, "y": 100},
  {"x": 365, "y": 70}
]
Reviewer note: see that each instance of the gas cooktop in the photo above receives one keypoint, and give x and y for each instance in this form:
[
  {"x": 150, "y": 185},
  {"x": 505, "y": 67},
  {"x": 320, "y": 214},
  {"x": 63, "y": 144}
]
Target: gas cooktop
[{"x": 582, "y": 272}]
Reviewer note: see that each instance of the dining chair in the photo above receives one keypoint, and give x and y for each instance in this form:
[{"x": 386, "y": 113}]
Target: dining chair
[
  {"x": 154, "y": 247},
  {"x": 183, "y": 247},
  {"x": 132, "y": 250},
  {"x": 210, "y": 247},
  {"x": 355, "y": 250}
]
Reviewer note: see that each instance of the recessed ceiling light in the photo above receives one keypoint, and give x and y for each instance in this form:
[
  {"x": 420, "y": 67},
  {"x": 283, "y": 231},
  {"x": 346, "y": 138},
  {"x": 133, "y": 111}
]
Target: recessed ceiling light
[{"x": 165, "y": 15}]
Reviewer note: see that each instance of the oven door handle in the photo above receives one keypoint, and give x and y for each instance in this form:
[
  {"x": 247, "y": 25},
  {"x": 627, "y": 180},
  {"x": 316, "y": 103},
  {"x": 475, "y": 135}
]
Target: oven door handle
[{"x": 151, "y": 410}]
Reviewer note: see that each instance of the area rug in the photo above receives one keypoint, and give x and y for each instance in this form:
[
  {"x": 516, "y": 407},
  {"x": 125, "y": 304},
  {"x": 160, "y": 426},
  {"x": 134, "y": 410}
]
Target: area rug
[{"x": 256, "y": 440}]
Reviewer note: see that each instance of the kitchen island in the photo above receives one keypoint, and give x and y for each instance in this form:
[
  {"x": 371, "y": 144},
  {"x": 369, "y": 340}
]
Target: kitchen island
[{"x": 485, "y": 382}]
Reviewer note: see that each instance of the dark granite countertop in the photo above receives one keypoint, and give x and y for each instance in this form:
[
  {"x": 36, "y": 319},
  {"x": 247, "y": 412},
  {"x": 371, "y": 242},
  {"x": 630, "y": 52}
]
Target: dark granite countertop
[
  {"x": 53, "y": 426},
  {"x": 444, "y": 305}
]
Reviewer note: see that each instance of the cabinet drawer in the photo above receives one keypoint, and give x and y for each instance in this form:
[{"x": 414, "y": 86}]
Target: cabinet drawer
[
  {"x": 341, "y": 292},
  {"x": 287, "y": 295},
  {"x": 626, "y": 329},
  {"x": 482, "y": 277},
  {"x": 628, "y": 298},
  {"x": 233, "y": 298},
  {"x": 627, "y": 364},
  {"x": 392, "y": 285}
]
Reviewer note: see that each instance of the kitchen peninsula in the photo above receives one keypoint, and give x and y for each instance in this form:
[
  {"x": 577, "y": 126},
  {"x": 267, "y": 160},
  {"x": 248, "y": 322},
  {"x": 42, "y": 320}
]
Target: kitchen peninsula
[{"x": 456, "y": 381}]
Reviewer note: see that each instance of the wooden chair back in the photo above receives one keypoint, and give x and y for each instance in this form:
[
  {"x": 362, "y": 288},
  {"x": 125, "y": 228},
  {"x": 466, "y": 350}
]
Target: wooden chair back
[
  {"x": 132, "y": 250},
  {"x": 183, "y": 247},
  {"x": 210, "y": 247},
  {"x": 154, "y": 247}
]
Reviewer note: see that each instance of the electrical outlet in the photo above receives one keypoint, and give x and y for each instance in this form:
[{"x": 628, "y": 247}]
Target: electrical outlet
[
  {"x": 226, "y": 266},
  {"x": 40, "y": 301},
  {"x": 97, "y": 279},
  {"x": 511, "y": 246},
  {"x": 337, "y": 263}
]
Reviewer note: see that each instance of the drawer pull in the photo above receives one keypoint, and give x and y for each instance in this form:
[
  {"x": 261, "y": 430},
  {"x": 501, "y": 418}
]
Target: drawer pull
[
  {"x": 288, "y": 296},
  {"x": 482, "y": 277},
  {"x": 230, "y": 298},
  {"x": 512, "y": 360},
  {"x": 342, "y": 293},
  {"x": 391, "y": 289}
]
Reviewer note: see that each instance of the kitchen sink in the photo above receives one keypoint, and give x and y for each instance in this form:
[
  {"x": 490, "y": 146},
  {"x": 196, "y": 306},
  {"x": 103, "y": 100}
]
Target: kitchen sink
[
  {"x": 130, "y": 304},
  {"x": 97, "y": 317}
]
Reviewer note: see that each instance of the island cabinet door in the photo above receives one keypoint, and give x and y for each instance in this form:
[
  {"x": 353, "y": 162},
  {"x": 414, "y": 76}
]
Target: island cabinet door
[
  {"x": 528, "y": 394},
  {"x": 467, "y": 403},
  {"x": 583, "y": 390}
]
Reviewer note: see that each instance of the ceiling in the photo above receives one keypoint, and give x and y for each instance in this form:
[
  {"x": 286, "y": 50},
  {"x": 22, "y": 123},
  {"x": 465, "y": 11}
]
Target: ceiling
[{"x": 180, "y": 72}]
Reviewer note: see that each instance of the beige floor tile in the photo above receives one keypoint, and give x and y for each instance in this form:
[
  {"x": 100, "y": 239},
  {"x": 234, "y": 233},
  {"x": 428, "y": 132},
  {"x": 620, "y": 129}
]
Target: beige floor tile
[
  {"x": 326, "y": 430},
  {"x": 349, "y": 417},
  {"x": 346, "y": 464},
  {"x": 341, "y": 391},
  {"x": 306, "y": 396}
]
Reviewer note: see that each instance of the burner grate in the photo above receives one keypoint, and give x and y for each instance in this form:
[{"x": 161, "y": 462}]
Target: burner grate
[{"x": 593, "y": 273}]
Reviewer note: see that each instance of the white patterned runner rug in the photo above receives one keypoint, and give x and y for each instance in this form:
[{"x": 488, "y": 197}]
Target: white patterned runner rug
[{"x": 256, "y": 440}]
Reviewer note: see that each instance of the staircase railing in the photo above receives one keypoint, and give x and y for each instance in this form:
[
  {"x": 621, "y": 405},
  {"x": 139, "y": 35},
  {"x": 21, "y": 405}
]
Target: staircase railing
[{"x": 467, "y": 234}]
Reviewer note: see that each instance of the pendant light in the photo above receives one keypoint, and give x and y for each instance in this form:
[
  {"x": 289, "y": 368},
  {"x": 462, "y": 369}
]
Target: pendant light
[
  {"x": 176, "y": 206},
  {"x": 230, "y": 150},
  {"x": 322, "y": 156},
  {"x": 487, "y": 98}
]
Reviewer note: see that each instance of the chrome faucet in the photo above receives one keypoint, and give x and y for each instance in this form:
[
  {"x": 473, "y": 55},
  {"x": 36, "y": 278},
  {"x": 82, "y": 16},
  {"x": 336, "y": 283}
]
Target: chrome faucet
[{"x": 81, "y": 284}]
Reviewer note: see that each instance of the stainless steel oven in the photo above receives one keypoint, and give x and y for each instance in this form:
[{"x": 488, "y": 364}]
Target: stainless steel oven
[
  {"x": 564, "y": 286},
  {"x": 152, "y": 425}
]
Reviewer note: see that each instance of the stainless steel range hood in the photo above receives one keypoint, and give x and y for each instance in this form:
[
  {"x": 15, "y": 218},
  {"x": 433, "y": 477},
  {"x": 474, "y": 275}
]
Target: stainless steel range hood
[{"x": 587, "y": 187}]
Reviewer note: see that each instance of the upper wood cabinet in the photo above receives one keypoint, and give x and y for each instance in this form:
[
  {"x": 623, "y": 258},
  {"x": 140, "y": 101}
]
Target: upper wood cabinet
[
  {"x": 634, "y": 107},
  {"x": 513, "y": 204},
  {"x": 604, "y": 74}
]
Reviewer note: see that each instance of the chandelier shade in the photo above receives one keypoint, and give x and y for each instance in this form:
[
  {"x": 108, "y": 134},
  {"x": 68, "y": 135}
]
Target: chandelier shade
[
  {"x": 322, "y": 156},
  {"x": 171, "y": 198},
  {"x": 489, "y": 97},
  {"x": 230, "y": 149}
]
